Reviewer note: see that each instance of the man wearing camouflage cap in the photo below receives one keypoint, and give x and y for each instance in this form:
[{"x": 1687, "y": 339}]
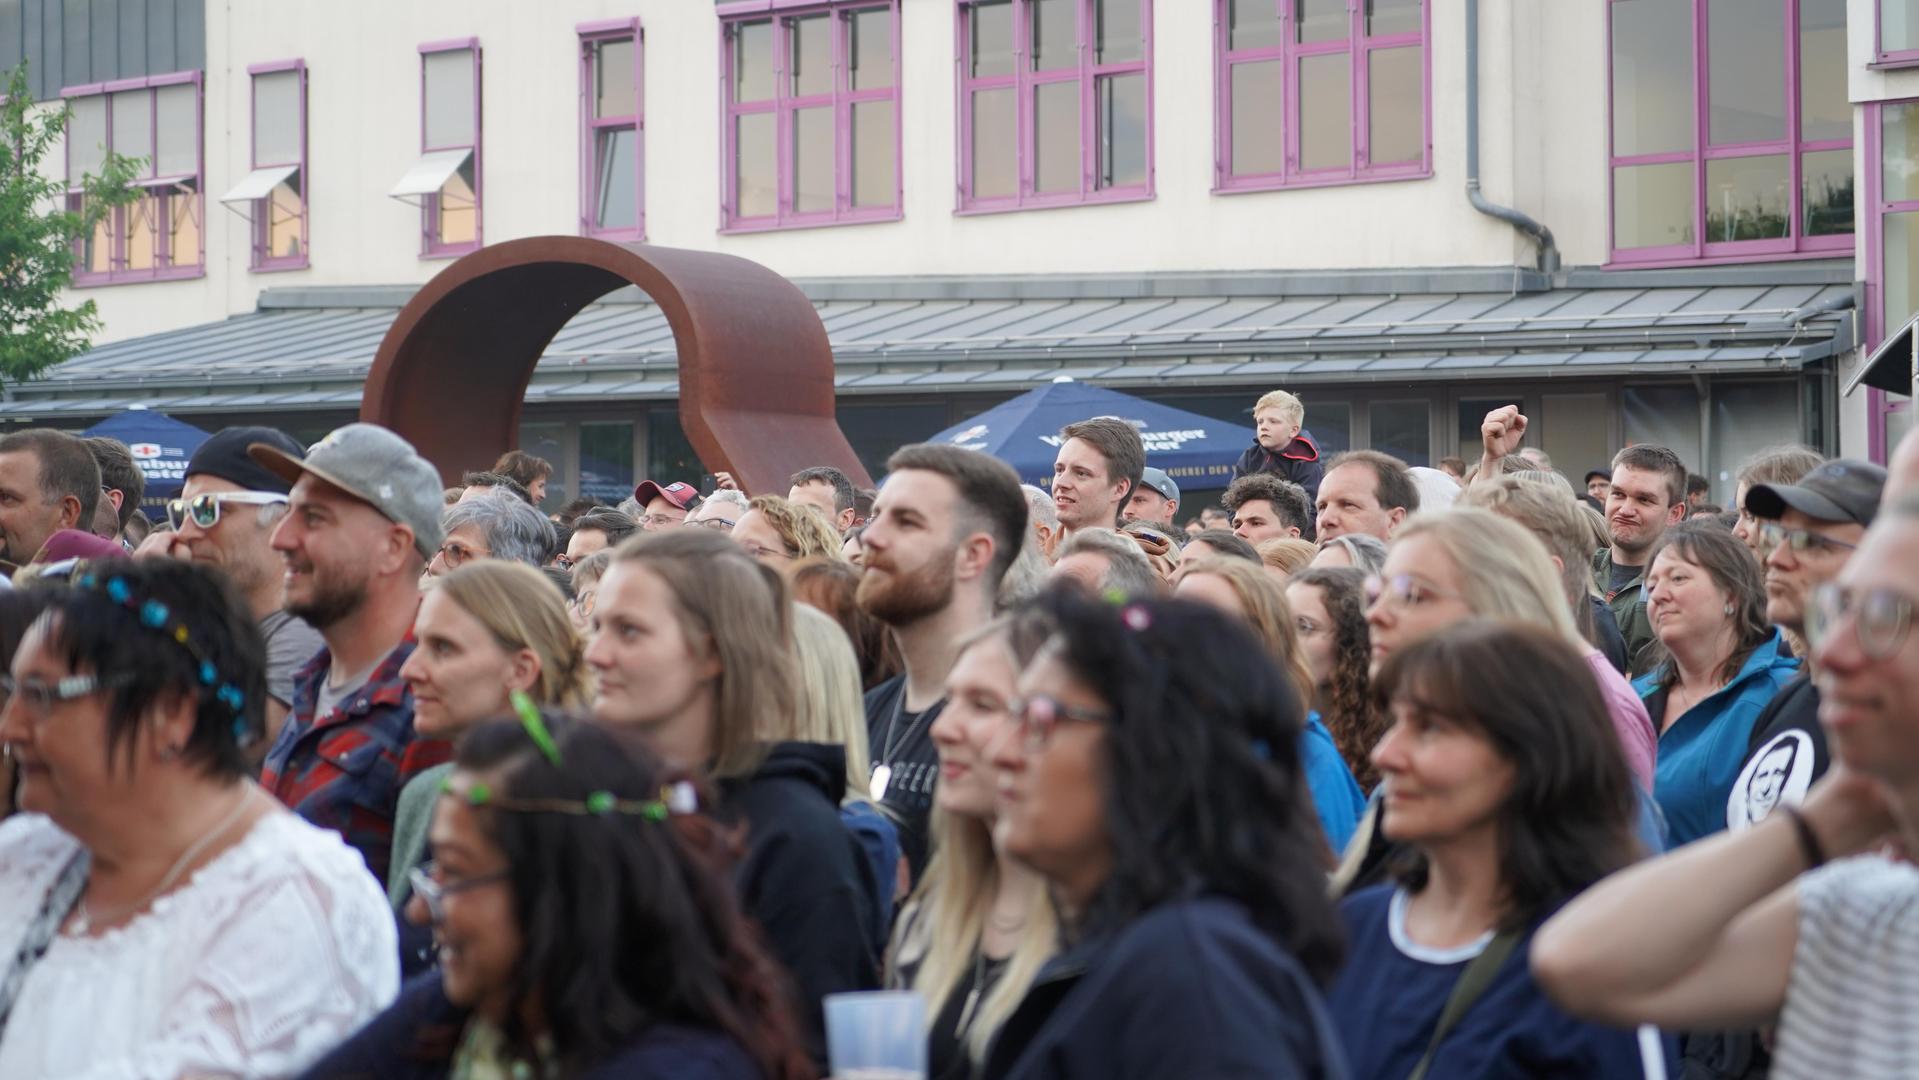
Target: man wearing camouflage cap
[{"x": 362, "y": 522}]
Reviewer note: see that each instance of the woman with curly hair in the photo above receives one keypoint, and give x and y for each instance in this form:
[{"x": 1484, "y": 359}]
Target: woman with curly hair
[
  {"x": 1329, "y": 611},
  {"x": 779, "y": 533}
]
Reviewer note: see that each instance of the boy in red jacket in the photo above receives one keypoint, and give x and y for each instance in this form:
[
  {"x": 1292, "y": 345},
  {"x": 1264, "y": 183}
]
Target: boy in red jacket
[{"x": 1285, "y": 448}]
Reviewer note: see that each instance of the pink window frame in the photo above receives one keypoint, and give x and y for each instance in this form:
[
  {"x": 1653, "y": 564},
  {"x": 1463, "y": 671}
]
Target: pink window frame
[
  {"x": 164, "y": 268},
  {"x": 430, "y": 246},
  {"x": 1023, "y": 82},
  {"x": 1879, "y": 404},
  {"x": 1881, "y": 58},
  {"x": 263, "y": 262},
  {"x": 1359, "y": 47},
  {"x": 784, "y": 107},
  {"x": 592, "y": 35},
  {"x": 1700, "y": 250}
]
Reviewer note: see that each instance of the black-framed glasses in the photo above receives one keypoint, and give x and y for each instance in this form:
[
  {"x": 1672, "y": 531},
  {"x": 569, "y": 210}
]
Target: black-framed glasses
[
  {"x": 204, "y": 510},
  {"x": 41, "y": 697},
  {"x": 1039, "y": 715},
  {"x": 433, "y": 890},
  {"x": 718, "y": 524},
  {"x": 1880, "y": 617},
  {"x": 1772, "y": 535}
]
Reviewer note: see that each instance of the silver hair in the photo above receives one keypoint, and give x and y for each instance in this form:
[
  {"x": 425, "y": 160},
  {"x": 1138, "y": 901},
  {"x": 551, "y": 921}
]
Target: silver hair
[
  {"x": 1367, "y": 552},
  {"x": 514, "y": 530},
  {"x": 731, "y": 496},
  {"x": 1127, "y": 567},
  {"x": 1040, "y": 505}
]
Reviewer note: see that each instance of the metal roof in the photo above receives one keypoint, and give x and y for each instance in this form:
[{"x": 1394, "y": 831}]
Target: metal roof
[{"x": 310, "y": 348}]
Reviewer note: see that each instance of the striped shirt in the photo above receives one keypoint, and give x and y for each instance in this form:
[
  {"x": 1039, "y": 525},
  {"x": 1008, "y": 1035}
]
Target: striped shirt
[{"x": 1854, "y": 987}]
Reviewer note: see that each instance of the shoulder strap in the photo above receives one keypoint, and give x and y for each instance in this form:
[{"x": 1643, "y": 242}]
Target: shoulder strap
[
  {"x": 1473, "y": 983},
  {"x": 61, "y": 896}
]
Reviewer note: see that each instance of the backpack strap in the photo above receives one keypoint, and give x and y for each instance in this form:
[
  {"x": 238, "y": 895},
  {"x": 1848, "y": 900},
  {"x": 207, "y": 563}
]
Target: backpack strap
[
  {"x": 1472, "y": 985},
  {"x": 61, "y": 896}
]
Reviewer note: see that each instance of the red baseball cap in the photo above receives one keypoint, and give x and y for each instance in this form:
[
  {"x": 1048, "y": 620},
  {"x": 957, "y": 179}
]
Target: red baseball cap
[{"x": 684, "y": 496}]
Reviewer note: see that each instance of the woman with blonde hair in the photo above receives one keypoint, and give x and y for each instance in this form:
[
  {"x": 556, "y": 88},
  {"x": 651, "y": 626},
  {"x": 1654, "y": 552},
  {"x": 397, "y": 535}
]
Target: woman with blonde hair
[
  {"x": 1285, "y": 556},
  {"x": 487, "y": 632},
  {"x": 980, "y": 926},
  {"x": 1248, "y": 593},
  {"x": 779, "y": 533}
]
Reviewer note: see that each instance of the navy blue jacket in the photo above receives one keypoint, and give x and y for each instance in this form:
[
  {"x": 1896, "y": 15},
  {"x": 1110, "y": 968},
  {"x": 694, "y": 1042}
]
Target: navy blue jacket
[
  {"x": 392, "y": 1047},
  {"x": 1190, "y": 989},
  {"x": 1297, "y": 461}
]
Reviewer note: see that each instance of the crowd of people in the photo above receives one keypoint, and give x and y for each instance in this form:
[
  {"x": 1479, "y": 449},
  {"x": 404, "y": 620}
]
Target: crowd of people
[{"x": 1371, "y": 771}]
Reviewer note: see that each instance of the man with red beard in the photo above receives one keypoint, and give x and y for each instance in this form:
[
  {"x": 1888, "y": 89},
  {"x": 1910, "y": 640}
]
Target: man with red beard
[
  {"x": 1648, "y": 496},
  {"x": 946, "y": 525}
]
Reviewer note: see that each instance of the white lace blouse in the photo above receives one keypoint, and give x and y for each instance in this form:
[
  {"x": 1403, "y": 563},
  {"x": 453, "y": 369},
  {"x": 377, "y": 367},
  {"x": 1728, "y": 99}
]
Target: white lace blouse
[{"x": 271, "y": 954}]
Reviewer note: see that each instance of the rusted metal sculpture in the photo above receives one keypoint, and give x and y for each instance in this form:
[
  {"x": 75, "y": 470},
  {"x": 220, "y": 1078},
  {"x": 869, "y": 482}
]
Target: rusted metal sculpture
[{"x": 756, "y": 371}]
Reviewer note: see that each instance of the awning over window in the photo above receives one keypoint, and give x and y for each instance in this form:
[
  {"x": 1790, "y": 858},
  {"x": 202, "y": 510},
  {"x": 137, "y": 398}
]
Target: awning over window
[
  {"x": 259, "y": 183},
  {"x": 1894, "y": 365},
  {"x": 430, "y": 173}
]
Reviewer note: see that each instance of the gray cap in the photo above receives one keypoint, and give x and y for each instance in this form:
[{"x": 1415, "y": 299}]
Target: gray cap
[
  {"x": 1844, "y": 491},
  {"x": 375, "y": 466},
  {"x": 1160, "y": 482}
]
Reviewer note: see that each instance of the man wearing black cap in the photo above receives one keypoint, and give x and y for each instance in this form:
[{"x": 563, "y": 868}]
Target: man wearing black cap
[{"x": 224, "y": 517}]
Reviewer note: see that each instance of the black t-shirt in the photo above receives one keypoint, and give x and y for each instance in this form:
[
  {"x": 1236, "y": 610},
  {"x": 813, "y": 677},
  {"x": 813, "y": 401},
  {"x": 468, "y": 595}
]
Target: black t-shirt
[
  {"x": 902, "y": 743},
  {"x": 945, "y": 1051},
  {"x": 1786, "y": 756},
  {"x": 1622, "y": 576}
]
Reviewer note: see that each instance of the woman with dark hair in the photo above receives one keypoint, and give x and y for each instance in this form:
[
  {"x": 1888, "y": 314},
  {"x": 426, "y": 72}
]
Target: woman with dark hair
[
  {"x": 1153, "y": 779},
  {"x": 1329, "y": 611},
  {"x": 1715, "y": 665},
  {"x": 164, "y": 916},
  {"x": 1508, "y": 794},
  {"x": 18, "y": 609},
  {"x": 587, "y": 926},
  {"x": 830, "y": 585}
]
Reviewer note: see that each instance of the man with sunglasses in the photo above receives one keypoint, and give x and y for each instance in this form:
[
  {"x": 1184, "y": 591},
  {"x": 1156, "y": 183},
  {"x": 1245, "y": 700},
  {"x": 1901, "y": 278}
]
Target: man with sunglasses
[
  {"x": 224, "y": 517},
  {"x": 1808, "y": 532}
]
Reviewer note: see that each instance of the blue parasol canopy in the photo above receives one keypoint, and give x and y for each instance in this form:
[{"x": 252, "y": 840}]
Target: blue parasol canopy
[{"x": 161, "y": 445}]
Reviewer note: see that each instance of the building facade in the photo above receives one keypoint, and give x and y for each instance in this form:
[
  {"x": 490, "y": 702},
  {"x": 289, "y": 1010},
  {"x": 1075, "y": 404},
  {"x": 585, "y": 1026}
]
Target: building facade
[{"x": 1192, "y": 200}]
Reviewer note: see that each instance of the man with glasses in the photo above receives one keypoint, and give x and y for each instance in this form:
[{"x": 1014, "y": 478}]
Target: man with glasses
[
  {"x": 721, "y": 510},
  {"x": 665, "y": 506},
  {"x": 1809, "y": 532},
  {"x": 224, "y": 517}
]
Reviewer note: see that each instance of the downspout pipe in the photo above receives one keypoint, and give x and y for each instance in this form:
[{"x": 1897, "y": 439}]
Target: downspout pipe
[{"x": 1541, "y": 235}]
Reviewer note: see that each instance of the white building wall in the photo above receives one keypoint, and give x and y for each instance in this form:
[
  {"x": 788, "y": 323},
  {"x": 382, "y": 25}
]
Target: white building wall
[{"x": 1542, "y": 149}]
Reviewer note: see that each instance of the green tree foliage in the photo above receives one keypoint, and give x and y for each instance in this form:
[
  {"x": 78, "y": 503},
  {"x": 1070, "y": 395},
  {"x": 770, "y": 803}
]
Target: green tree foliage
[{"x": 38, "y": 234}]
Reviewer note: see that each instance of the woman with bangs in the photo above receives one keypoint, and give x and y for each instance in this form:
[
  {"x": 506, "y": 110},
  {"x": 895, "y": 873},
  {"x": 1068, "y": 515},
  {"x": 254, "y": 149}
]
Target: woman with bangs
[{"x": 1505, "y": 789}]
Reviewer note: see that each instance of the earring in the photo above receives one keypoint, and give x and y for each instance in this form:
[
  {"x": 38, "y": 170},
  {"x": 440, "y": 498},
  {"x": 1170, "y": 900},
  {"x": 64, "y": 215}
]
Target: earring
[{"x": 1729, "y": 609}]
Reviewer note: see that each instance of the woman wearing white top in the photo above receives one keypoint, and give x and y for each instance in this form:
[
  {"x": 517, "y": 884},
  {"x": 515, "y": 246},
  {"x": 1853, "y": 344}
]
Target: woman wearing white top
[{"x": 163, "y": 917}]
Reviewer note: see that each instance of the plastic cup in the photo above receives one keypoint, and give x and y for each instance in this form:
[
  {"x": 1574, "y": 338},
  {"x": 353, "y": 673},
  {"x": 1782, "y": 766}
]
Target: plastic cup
[{"x": 876, "y": 1036}]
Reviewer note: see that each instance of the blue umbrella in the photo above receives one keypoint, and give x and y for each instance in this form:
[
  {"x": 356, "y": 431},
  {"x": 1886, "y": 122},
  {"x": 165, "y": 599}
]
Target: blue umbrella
[
  {"x": 161, "y": 444},
  {"x": 1195, "y": 450}
]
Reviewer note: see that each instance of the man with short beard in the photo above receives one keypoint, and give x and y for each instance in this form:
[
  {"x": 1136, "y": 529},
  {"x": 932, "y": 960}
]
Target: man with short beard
[
  {"x": 363, "y": 519},
  {"x": 946, "y": 525}
]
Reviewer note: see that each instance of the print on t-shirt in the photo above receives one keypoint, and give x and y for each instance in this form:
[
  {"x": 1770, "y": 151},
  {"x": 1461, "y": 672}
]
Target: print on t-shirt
[{"x": 1781, "y": 771}]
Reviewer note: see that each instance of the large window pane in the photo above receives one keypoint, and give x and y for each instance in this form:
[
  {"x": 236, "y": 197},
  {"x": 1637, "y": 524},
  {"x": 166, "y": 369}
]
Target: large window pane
[
  {"x": 615, "y": 79},
  {"x": 1122, "y": 130},
  {"x": 1824, "y": 112},
  {"x": 995, "y": 135},
  {"x": 1746, "y": 71},
  {"x": 1332, "y": 427},
  {"x": 755, "y": 158},
  {"x": 178, "y": 136},
  {"x": 1576, "y": 432},
  {"x": 97, "y": 250},
  {"x": 1325, "y": 112},
  {"x": 1056, "y": 137},
  {"x": 86, "y": 136},
  {"x": 875, "y": 161},
  {"x": 1899, "y": 295},
  {"x": 1826, "y": 191},
  {"x": 1747, "y": 418},
  {"x": 812, "y": 160},
  {"x": 1321, "y": 20},
  {"x": 1392, "y": 17},
  {"x": 1899, "y": 151},
  {"x": 1055, "y": 30},
  {"x": 991, "y": 47},
  {"x": 618, "y": 183},
  {"x": 870, "y": 49},
  {"x": 1663, "y": 415},
  {"x": 449, "y": 98},
  {"x": 1402, "y": 429},
  {"x": 1652, "y": 205},
  {"x": 1651, "y": 76},
  {"x": 133, "y": 126},
  {"x": 141, "y": 242},
  {"x": 459, "y": 218},
  {"x": 1397, "y": 128},
  {"x": 809, "y": 62},
  {"x": 1254, "y": 24},
  {"x": 1259, "y": 145},
  {"x": 1898, "y": 25},
  {"x": 753, "y": 61},
  {"x": 606, "y": 461},
  {"x": 183, "y": 231},
  {"x": 1748, "y": 198},
  {"x": 1470, "y": 413},
  {"x": 286, "y": 212},
  {"x": 1116, "y": 34},
  {"x": 276, "y": 118}
]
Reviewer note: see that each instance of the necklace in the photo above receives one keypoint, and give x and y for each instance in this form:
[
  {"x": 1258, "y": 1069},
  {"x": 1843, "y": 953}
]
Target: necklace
[
  {"x": 883, "y": 772},
  {"x": 83, "y": 922},
  {"x": 1007, "y": 924}
]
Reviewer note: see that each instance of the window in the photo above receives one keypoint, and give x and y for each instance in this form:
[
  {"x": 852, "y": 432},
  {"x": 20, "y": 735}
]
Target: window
[
  {"x": 1898, "y": 32},
  {"x": 611, "y": 158},
  {"x": 155, "y": 121},
  {"x": 1762, "y": 162},
  {"x": 1892, "y": 247},
  {"x": 274, "y": 192},
  {"x": 1056, "y": 102},
  {"x": 448, "y": 179},
  {"x": 1321, "y": 92},
  {"x": 812, "y": 117}
]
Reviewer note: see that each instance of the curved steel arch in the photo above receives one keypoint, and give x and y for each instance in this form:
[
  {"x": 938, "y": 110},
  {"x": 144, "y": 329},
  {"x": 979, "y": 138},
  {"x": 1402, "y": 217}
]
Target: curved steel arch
[{"x": 756, "y": 370}]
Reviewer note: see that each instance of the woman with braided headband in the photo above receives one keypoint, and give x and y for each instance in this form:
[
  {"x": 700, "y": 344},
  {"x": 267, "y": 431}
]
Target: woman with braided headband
[{"x": 173, "y": 919}]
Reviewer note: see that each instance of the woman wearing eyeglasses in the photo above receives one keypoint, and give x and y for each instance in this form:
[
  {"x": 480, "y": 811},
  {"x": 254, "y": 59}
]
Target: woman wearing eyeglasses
[
  {"x": 162, "y": 915},
  {"x": 587, "y": 928},
  {"x": 1154, "y": 781}
]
